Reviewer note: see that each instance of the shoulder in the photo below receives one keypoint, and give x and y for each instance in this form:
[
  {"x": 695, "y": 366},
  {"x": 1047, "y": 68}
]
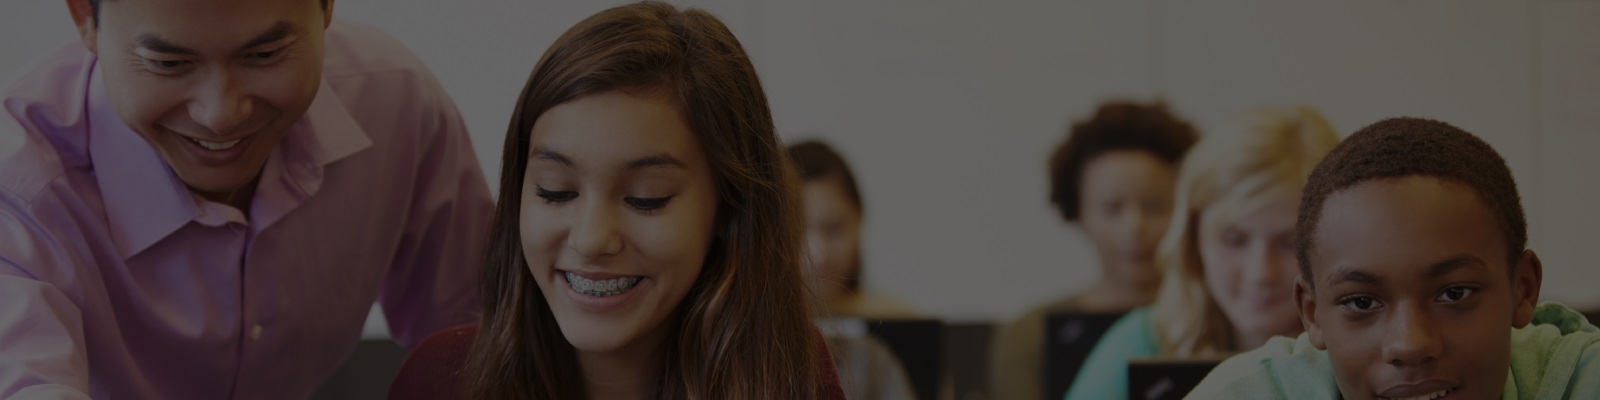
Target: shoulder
[
  {"x": 1283, "y": 368},
  {"x": 827, "y": 374},
  {"x": 1135, "y": 331},
  {"x": 1557, "y": 353},
  {"x": 436, "y": 368}
]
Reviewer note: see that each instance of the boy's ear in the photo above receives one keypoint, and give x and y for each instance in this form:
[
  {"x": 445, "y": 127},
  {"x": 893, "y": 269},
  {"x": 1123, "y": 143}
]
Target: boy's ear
[
  {"x": 83, "y": 17},
  {"x": 1305, "y": 299},
  {"x": 1527, "y": 276}
]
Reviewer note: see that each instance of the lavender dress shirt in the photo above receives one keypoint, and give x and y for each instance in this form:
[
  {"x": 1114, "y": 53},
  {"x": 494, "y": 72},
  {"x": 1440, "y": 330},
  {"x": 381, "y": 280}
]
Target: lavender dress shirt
[{"x": 117, "y": 283}]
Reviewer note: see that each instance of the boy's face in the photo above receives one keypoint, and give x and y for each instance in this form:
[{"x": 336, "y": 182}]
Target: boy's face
[{"x": 1412, "y": 294}]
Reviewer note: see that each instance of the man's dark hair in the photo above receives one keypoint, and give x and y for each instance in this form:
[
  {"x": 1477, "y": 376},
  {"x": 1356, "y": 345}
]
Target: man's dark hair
[
  {"x": 94, "y": 7},
  {"x": 1115, "y": 126},
  {"x": 1401, "y": 147}
]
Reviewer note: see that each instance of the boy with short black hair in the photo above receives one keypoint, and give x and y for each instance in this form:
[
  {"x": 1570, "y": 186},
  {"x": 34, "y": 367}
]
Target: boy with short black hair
[{"x": 1411, "y": 243}]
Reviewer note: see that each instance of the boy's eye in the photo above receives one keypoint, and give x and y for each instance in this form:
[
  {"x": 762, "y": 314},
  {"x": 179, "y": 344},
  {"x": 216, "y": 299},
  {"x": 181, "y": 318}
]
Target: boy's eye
[
  {"x": 555, "y": 197},
  {"x": 647, "y": 204},
  {"x": 1455, "y": 294},
  {"x": 1360, "y": 303}
]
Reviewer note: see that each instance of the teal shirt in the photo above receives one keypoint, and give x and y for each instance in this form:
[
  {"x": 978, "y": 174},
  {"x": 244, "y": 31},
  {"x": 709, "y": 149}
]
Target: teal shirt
[
  {"x": 1105, "y": 373},
  {"x": 1555, "y": 357}
]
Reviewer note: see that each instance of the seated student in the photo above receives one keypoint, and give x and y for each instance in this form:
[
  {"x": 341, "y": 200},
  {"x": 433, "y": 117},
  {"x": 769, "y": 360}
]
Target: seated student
[
  {"x": 833, "y": 236},
  {"x": 1113, "y": 176},
  {"x": 1415, "y": 282},
  {"x": 648, "y": 231},
  {"x": 833, "y": 269},
  {"x": 1228, "y": 257}
]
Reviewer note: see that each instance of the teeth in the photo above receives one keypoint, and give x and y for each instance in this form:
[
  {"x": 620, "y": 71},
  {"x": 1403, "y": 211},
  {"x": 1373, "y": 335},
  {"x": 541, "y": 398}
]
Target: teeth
[
  {"x": 609, "y": 287},
  {"x": 1429, "y": 396},
  {"x": 217, "y": 145}
]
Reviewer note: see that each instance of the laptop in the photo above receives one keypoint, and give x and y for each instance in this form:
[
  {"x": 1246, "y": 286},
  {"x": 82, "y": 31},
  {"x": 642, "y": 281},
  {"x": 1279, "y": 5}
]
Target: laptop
[
  {"x": 1069, "y": 337},
  {"x": 1166, "y": 379}
]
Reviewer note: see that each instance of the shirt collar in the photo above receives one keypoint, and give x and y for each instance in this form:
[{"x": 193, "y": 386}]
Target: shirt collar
[{"x": 145, "y": 201}]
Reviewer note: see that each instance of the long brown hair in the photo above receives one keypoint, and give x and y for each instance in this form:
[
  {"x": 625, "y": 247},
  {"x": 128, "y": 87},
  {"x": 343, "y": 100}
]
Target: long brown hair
[{"x": 743, "y": 331}]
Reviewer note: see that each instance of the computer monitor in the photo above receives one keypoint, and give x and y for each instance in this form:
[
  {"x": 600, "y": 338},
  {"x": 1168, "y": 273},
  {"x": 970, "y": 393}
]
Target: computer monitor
[
  {"x": 1069, "y": 337},
  {"x": 1164, "y": 379}
]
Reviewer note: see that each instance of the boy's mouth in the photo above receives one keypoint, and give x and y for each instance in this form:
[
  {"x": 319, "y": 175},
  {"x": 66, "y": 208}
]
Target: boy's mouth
[{"x": 1428, "y": 390}]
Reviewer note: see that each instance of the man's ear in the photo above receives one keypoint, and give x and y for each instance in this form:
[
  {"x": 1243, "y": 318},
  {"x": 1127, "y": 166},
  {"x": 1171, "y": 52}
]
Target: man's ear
[
  {"x": 1305, "y": 299},
  {"x": 1526, "y": 277},
  {"x": 83, "y": 17},
  {"x": 327, "y": 15}
]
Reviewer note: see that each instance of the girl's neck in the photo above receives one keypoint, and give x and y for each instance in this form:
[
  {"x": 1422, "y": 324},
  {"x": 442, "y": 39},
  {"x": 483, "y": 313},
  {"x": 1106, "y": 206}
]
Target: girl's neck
[{"x": 632, "y": 371}]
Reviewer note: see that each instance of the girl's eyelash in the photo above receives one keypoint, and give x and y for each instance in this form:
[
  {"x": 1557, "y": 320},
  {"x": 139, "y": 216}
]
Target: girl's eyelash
[
  {"x": 647, "y": 204},
  {"x": 552, "y": 197}
]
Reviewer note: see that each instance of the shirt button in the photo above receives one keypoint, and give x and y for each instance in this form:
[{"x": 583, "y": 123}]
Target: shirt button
[{"x": 255, "y": 332}]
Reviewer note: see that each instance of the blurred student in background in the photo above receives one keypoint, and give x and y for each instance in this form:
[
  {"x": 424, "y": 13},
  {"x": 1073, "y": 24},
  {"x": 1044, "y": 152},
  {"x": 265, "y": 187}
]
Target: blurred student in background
[
  {"x": 833, "y": 235},
  {"x": 1114, "y": 177},
  {"x": 1228, "y": 256},
  {"x": 648, "y": 234},
  {"x": 867, "y": 369}
]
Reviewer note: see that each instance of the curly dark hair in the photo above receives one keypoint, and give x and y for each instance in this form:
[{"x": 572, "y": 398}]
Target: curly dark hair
[
  {"x": 1116, "y": 125},
  {"x": 1400, "y": 147}
]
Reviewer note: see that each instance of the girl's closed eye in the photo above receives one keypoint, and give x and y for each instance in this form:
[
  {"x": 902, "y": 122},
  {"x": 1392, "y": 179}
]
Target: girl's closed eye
[
  {"x": 647, "y": 204},
  {"x": 554, "y": 197}
]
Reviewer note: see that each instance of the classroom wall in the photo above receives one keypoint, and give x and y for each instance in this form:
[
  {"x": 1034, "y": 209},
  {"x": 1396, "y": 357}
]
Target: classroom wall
[{"x": 948, "y": 109}]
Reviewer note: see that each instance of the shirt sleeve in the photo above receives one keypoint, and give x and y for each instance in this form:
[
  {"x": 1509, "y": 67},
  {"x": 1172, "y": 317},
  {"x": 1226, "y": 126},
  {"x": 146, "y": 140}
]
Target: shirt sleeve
[
  {"x": 1105, "y": 373},
  {"x": 432, "y": 285},
  {"x": 41, "y": 339}
]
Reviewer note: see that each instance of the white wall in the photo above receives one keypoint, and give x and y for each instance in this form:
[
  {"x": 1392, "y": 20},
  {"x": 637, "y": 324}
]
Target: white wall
[{"x": 948, "y": 109}]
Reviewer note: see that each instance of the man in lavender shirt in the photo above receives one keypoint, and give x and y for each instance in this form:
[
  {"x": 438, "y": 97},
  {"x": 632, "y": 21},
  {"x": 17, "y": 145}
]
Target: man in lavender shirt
[{"x": 211, "y": 194}]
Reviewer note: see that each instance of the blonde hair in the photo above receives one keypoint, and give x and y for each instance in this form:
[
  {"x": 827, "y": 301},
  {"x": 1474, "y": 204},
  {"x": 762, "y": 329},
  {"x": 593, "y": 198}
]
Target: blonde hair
[{"x": 1243, "y": 166}]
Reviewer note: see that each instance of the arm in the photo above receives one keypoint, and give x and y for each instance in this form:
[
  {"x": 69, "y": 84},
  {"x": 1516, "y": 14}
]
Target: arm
[
  {"x": 41, "y": 340},
  {"x": 432, "y": 285}
]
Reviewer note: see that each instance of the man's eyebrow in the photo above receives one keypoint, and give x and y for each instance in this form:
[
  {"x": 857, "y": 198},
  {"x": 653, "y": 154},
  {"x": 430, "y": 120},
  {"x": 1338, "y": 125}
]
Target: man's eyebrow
[
  {"x": 280, "y": 30},
  {"x": 160, "y": 45}
]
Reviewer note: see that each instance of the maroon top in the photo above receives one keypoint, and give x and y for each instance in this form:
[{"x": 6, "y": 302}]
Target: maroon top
[{"x": 434, "y": 368}]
